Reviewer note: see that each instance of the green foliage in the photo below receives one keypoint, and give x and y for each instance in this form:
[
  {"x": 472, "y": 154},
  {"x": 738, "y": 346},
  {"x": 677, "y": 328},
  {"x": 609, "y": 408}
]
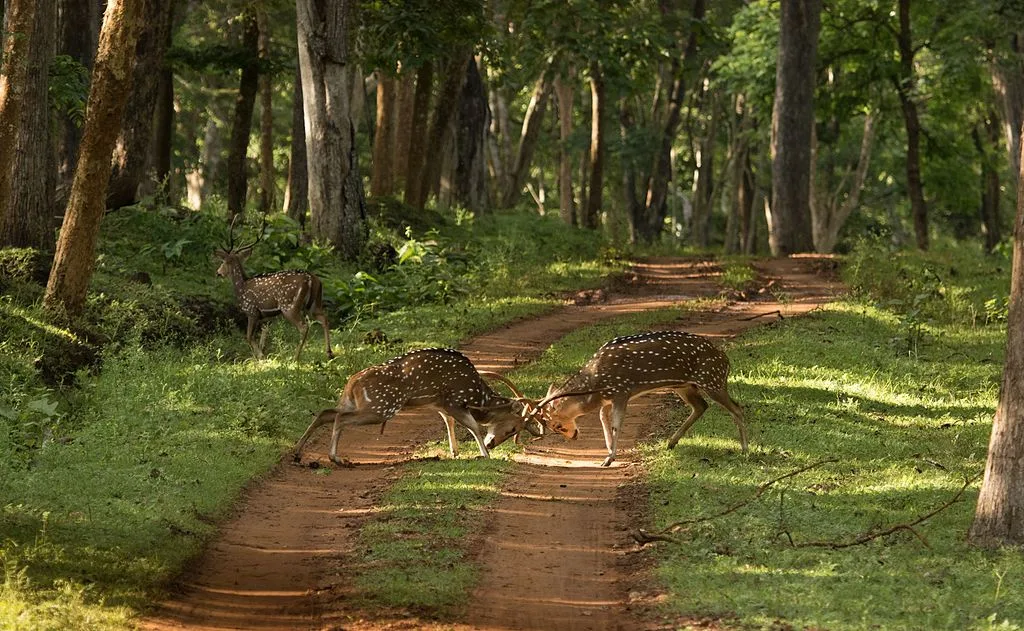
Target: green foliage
[
  {"x": 69, "y": 88},
  {"x": 737, "y": 275}
]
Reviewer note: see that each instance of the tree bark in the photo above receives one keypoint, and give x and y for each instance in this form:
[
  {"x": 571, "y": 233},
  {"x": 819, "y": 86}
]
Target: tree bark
[
  {"x": 80, "y": 44},
  {"x": 906, "y": 88},
  {"x": 564, "y": 95},
  {"x": 703, "y": 182},
  {"x": 131, "y": 154},
  {"x": 999, "y": 516},
  {"x": 532, "y": 123},
  {"x": 28, "y": 220},
  {"x": 595, "y": 198},
  {"x": 336, "y": 202},
  {"x": 163, "y": 128},
  {"x": 241, "y": 127},
  {"x": 382, "y": 178},
  {"x": 418, "y": 134},
  {"x": 829, "y": 209},
  {"x": 986, "y": 142},
  {"x": 14, "y": 94},
  {"x": 444, "y": 111},
  {"x": 1008, "y": 82},
  {"x": 265, "y": 89},
  {"x": 789, "y": 228},
  {"x": 654, "y": 208},
  {"x": 470, "y": 180},
  {"x": 296, "y": 194},
  {"x": 404, "y": 100},
  {"x": 110, "y": 86}
]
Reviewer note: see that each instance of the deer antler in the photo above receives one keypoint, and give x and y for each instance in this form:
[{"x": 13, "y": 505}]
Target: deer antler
[
  {"x": 565, "y": 394},
  {"x": 511, "y": 386},
  {"x": 231, "y": 234}
]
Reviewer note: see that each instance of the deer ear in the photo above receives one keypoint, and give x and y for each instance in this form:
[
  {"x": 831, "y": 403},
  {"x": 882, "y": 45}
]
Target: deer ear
[
  {"x": 244, "y": 253},
  {"x": 219, "y": 254}
]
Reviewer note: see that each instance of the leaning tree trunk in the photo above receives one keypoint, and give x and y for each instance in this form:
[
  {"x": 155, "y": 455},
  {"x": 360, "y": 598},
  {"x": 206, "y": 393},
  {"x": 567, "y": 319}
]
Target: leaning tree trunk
[
  {"x": 528, "y": 139},
  {"x": 418, "y": 133},
  {"x": 444, "y": 110},
  {"x": 28, "y": 220},
  {"x": 296, "y": 193},
  {"x": 830, "y": 209},
  {"x": 382, "y": 177},
  {"x": 336, "y": 202},
  {"x": 241, "y": 127},
  {"x": 470, "y": 185},
  {"x": 131, "y": 154},
  {"x": 564, "y": 95},
  {"x": 999, "y": 516},
  {"x": 789, "y": 227},
  {"x": 108, "y": 94}
]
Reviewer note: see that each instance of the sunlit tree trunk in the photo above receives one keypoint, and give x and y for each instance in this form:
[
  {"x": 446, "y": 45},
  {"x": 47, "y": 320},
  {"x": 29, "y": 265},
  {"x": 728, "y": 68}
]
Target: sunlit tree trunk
[
  {"x": 110, "y": 85},
  {"x": 20, "y": 24},
  {"x": 382, "y": 177},
  {"x": 336, "y": 203},
  {"x": 999, "y": 516},
  {"x": 132, "y": 151},
  {"x": 241, "y": 127},
  {"x": 789, "y": 225},
  {"x": 296, "y": 193},
  {"x": 28, "y": 218},
  {"x": 564, "y": 95}
]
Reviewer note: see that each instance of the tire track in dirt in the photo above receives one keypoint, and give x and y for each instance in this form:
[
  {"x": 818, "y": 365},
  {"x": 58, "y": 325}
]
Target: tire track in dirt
[{"x": 554, "y": 556}]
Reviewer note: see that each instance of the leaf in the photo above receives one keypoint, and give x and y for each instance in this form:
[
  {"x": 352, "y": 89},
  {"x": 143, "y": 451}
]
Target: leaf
[{"x": 43, "y": 406}]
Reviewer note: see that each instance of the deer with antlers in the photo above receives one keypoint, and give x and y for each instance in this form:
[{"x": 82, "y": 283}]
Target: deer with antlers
[
  {"x": 294, "y": 294},
  {"x": 632, "y": 365},
  {"x": 438, "y": 378}
]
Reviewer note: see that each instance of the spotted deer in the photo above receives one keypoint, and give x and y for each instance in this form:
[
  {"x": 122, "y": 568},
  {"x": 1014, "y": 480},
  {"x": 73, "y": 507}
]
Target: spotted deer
[
  {"x": 294, "y": 294},
  {"x": 439, "y": 378},
  {"x": 633, "y": 365}
]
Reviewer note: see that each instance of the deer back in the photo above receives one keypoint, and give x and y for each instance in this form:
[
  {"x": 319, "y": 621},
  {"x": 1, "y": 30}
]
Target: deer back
[{"x": 269, "y": 294}]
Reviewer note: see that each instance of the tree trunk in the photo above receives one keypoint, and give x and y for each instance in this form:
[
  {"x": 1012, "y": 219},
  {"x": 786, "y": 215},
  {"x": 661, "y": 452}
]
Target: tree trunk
[
  {"x": 634, "y": 209},
  {"x": 1008, "y": 82},
  {"x": 80, "y": 44},
  {"x": 336, "y": 202},
  {"x": 131, "y": 154},
  {"x": 595, "y": 200},
  {"x": 28, "y": 219},
  {"x": 906, "y": 87},
  {"x": 404, "y": 101},
  {"x": 418, "y": 134},
  {"x": 830, "y": 209},
  {"x": 382, "y": 177},
  {"x": 789, "y": 230},
  {"x": 163, "y": 128},
  {"x": 14, "y": 95},
  {"x": 499, "y": 148},
  {"x": 564, "y": 94},
  {"x": 999, "y": 516},
  {"x": 703, "y": 182},
  {"x": 241, "y": 127},
  {"x": 654, "y": 209},
  {"x": 987, "y": 144},
  {"x": 470, "y": 179},
  {"x": 199, "y": 182},
  {"x": 532, "y": 122},
  {"x": 108, "y": 94},
  {"x": 444, "y": 111},
  {"x": 265, "y": 89},
  {"x": 296, "y": 195},
  {"x": 737, "y": 197}
]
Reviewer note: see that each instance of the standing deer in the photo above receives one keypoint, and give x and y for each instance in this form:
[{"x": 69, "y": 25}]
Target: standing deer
[
  {"x": 439, "y": 378},
  {"x": 632, "y": 365},
  {"x": 294, "y": 294}
]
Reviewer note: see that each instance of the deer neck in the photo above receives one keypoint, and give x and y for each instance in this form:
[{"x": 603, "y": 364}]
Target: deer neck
[{"x": 238, "y": 278}]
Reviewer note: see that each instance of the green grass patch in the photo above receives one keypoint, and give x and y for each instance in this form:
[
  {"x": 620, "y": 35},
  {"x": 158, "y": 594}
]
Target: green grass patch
[{"x": 906, "y": 430}]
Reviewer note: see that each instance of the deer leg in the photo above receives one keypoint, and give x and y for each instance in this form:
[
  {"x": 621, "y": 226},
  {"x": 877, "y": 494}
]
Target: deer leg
[
  {"x": 606, "y": 425},
  {"x": 362, "y": 417},
  {"x": 722, "y": 398},
  {"x": 691, "y": 396},
  {"x": 453, "y": 442},
  {"x": 295, "y": 316},
  {"x": 618, "y": 413},
  {"x": 323, "y": 418},
  {"x": 322, "y": 319},
  {"x": 466, "y": 420},
  {"x": 250, "y": 330}
]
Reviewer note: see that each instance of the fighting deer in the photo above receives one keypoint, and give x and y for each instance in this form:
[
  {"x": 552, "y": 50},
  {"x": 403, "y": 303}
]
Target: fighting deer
[
  {"x": 294, "y": 294},
  {"x": 632, "y": 365},
  {"x": 438, "y": 378}
]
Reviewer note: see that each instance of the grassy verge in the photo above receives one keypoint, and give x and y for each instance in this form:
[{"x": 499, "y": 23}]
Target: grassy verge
[{"x": 906, "y": 430}]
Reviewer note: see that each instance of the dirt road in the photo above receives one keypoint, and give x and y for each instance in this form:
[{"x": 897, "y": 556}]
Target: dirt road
[{"x": 274, "y": 564}]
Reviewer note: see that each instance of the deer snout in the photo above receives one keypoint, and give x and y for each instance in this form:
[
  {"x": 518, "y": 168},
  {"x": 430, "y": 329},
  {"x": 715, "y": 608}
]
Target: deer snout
[{"x": 572, "y": 433}]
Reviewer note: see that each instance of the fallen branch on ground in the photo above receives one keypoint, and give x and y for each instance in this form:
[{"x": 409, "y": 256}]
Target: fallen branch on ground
[
  {"x": 761, "y": 315},
  {"x": 871, "y": 536},
  {"x": 641, "y": 536}
]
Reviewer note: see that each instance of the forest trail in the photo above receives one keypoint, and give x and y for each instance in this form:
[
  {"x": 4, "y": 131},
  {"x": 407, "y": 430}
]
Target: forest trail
[{"x": 279, "y": 562}]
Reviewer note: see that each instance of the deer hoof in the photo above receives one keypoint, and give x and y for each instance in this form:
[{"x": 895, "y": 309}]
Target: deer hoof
[{"x": 608, "y": 461}]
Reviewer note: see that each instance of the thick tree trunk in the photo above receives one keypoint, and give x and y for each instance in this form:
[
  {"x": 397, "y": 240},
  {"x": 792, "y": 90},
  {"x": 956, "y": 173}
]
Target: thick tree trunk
[
  {"x": 445, "y": 108},
  {"x": 564, "y": 94},
  {"x": 382, "y": 178},
  {"x": 336, "y": 202},
  {"x": 404, "y": 102},
  {"x": 418, "y": 134},
  {"x": 79, "y": 43},
  {"x": 241, "y": 127},
  {"x": 296, "y": 195},
  {"x": 789, "y": 230},
  {"x": 265, "y": 89},
  {"x": 131, "y": 154},
  {"x": 1008, "y": 81},
  {"x": 595, "y": 200},
  {"x": 110, "y": 86},
  {"x": 470, "y": 178},
  {"x": 999, "y": 516},
  {"x": 28, "y": 221},
  {"x": 14, "y": 95},
  {"x": 655, "y": 207},
  {"x": 163, "y": 128},
  {"x": 906, "y": 87},
  {"x": 532, "y": 122}
]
